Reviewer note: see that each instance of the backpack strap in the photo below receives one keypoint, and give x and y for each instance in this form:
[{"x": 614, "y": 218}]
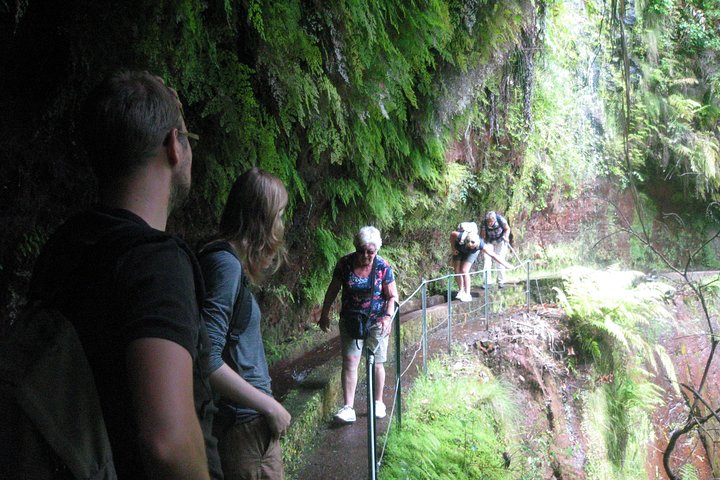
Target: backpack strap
[
  {"x": 371, "y": 284},
  {"x": 243, "y": 298},
  {"x": 373, "y": 275},
  {"x": 502, "y": 220}
]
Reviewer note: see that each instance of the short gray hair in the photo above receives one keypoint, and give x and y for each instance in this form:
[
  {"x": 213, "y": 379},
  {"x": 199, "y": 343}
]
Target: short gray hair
[
  {"x": 367, "y": 235},
  {"x": 491, "y": 215}
]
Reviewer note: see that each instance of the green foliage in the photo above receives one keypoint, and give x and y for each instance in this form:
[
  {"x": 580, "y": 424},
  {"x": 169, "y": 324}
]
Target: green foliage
[
  {"x": 331, "y": 248},
  {"x": 615, "y": 317},
  {"x": 688, "y": 472},
  {"x": 556, "y": 144},
  {"x": 660, "y": 7},
  {"x": 456, "y": 426},
  {"x": 625, "y": 397},
  {"x": 608, "y": 438},
  {"x": 615, "y": 309},
  {"x": 32, "y": 243},
  {"x": 681, "y": 237},
  {"x": 340, "y": 99},
  {"x": 674, "y": 106}
]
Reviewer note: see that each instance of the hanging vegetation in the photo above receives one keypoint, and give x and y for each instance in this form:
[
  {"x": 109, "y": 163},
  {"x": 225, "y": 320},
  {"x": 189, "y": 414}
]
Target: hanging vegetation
[{"x": 353, "y": 104}]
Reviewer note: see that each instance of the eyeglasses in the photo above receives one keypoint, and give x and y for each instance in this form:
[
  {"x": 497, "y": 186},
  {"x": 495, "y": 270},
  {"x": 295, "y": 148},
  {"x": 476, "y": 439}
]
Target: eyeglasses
[
  {"x": 366, "y": 251},
  {"x": 193, "y": 138}
]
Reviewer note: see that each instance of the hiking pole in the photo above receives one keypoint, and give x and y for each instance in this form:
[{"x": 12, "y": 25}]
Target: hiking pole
[
  {"x": 517, "y": 257},
  {"x": 370, "y": 365}
]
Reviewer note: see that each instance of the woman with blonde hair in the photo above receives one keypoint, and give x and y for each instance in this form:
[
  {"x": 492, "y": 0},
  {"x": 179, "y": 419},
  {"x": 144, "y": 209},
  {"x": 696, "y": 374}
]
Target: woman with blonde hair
[
  {"x": 465, "y": 246},
  {"x": 248, "y": 244}
]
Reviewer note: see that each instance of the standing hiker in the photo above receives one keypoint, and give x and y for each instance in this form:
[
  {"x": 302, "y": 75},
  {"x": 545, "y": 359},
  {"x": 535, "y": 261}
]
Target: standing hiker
[
  {"x": 368, "y": 291},
  {"x": 131, "y": 290},
  {"x": 249, "y": 241}
]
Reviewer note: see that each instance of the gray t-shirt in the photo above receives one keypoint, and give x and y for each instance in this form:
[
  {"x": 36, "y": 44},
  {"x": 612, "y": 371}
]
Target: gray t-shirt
[{"x": 223, "y": 312}]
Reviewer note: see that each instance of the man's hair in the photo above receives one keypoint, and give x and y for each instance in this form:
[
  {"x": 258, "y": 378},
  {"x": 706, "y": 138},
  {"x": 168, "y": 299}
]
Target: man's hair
[
  {"x": 366, "y": 236},
  {"x": 252, "y": 219},
  {"x": 124, "y": 121},
  {"x": 491, "y": 215}
]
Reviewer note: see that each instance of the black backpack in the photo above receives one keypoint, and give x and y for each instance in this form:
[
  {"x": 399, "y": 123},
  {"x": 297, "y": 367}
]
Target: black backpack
[{"x": 51, "y": 424}]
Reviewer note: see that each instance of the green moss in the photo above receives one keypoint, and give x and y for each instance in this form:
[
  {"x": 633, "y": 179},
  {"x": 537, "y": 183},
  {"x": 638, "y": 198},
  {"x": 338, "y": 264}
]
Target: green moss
[
  {"x": 309, "y": 407},
  {"x": 454, "y": 426}
]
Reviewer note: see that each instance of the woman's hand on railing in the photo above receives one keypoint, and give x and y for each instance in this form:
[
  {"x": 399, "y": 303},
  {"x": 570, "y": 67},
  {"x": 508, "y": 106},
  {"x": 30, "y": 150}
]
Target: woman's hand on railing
[{"x": 385, "y": 324}]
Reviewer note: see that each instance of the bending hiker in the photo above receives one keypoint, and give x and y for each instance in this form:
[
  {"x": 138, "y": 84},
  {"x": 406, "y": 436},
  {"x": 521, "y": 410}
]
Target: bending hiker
[
  {"x": 464, "y": 248},
  {"x": 466, "y": 244},
  {"x": 369, "y": 299},
  {"x": 136, "y": 309},
  {"x": 249, "y": 241},
  {"x": 496, "y": 232}
]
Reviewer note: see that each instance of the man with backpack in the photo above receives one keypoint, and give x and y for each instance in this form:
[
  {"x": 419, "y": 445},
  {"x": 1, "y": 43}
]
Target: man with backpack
[
  {"x": 132, "y": 291},
  {"x": 495, "y": 230}
]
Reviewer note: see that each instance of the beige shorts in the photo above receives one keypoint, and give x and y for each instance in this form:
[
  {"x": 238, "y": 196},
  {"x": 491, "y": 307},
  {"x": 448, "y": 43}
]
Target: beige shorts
[
  {"x": 249, "y": 452},
  {"x": 376, "y": 342}
]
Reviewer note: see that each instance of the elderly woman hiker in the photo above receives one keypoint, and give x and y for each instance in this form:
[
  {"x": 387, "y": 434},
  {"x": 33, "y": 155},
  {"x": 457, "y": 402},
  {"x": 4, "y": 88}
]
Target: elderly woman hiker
[
  {"x": 465, "y": 246},
  {"x": 353, "y": 274},
  {"x": 248, "y": 244}
]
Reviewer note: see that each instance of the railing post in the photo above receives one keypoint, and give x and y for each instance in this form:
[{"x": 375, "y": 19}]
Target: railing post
[
  {"x": 486, "y": 275},
  {"x": 424, "y": 326},
  {"x": 370, "y": 364},
  {"x": 398, "y": 369},
  {"x": 449, "y": 306},
  {"x": 527, "y": 286}
]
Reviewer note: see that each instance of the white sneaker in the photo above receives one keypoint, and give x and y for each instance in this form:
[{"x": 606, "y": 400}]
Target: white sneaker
[
  {"x": 345, "y": 415},
  {"x": 467, "y": 297},
  {"x": 459, "y": 295},
  {"x": 380, "y": 410}
]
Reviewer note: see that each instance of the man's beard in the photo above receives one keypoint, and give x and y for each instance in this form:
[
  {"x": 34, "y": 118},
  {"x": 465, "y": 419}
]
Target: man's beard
[{"x": 179, "y": 192}]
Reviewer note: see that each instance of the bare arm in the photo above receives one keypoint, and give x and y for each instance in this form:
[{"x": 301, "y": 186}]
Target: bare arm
[
  {"x": 161, "y": 386},
  {"x": 453, "y": 240},
  {"x": 489, "y": 251},
  {"x": 506, "y": 232},
  {"x": 229, "y": 384},
  {"x": 330, "y": 295},
  {"x": 390, "y": 292}
]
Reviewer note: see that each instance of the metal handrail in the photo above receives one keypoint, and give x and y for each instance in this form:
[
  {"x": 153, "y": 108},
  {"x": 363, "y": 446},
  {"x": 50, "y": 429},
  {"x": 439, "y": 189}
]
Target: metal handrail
[{"x": 373, "y": 465}]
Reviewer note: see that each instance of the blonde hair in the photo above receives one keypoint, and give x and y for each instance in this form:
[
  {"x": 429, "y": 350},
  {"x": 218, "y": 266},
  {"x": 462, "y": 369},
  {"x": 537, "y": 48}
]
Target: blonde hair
[
  {"x": 472, "y": 240},
  {"x": 252, "y": 221}
]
